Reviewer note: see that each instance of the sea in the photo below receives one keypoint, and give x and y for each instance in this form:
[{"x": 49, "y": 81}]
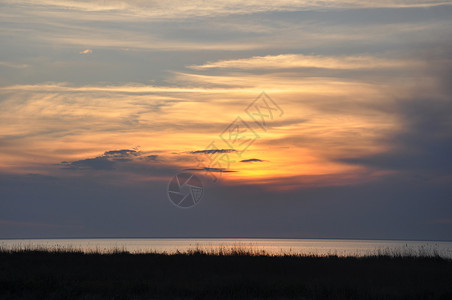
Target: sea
[{"x": 319, "y": 247}]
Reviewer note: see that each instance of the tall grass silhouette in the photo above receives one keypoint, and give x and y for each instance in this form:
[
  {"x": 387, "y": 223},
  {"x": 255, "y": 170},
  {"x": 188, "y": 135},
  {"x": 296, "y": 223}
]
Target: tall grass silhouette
[{"x": 221, "y": 273}]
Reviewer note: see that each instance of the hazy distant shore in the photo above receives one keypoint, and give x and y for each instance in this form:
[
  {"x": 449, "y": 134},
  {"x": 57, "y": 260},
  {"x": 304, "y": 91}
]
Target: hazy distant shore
[
  {"x": 231, "y": 274},
  {"x": 321, "y": 247}
]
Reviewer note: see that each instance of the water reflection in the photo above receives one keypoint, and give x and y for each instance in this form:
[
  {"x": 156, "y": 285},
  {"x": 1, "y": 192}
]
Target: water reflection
[{"x": 270, "y": 246}]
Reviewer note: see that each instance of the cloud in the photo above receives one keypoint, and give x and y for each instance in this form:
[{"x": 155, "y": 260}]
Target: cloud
[
  {"x": 122, "y": 155},
  {"x": 340, "y": 95},
  {"x": 13, "y": 65},
  {"x": 107, "y": 161},
  {"x": 215, "y": 170},
  {"x": 152, "y": 157},
  {"x": 58, "y": 23},
  {"x": 132, "y": 10},
  {"x": 133, "y": 88},
  {"x": 291, "y": 61},
  {"x": 97, "y": 163},
  {"x": 87, "y": 51},
  {"x": 213, "y": 151},
  {"x": 423, "y": 141},
  {"x": 363, "y": 111},
  {"x": 252, "y": 160}
]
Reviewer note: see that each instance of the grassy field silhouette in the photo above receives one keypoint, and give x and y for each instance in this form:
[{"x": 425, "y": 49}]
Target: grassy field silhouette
[{"x": 234, "y": 273}]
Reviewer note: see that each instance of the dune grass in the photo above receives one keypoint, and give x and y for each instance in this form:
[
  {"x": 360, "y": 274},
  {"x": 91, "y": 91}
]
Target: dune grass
[{"x": 223, "y": 273}]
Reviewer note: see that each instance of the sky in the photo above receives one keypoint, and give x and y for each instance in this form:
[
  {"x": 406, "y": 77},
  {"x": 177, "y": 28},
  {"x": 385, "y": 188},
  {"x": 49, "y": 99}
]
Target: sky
[{"x": 299, "y": 119}]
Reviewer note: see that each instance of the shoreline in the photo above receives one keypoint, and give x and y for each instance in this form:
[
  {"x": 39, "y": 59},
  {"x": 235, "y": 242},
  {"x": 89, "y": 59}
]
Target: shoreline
[
  {"x": 227, "y": 238},
  {"x": 279, "y": 247}
]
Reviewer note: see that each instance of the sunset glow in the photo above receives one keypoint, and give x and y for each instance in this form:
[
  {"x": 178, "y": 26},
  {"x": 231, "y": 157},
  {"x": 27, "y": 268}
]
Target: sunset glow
[{"x": 105, "y": 100}]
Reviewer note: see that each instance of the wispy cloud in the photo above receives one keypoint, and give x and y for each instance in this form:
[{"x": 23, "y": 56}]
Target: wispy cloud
[
  {"x": 251, "y": 160},
  {"x": 167, "y": 118},
  {"x": 87, "y": 51},
  {"x": 213, "y": 151},
  {"x": 337, "y": 72},
  {"x": 289, "y": 61},
  {"x": 214, "y": 170},
  {"x": 108, "y": 160},
  {"x": 180, "y": 26},
  {"x": 13, "y": 65},
  {"x": 179, "y": 8}
]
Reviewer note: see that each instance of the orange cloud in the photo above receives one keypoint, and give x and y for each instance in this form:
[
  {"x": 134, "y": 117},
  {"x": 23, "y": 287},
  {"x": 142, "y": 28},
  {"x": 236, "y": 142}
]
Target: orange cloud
[
  {"x": 326, "y": 119},
  {"x": 285, "y": 61},
  {"x": 87, "y": 51}
]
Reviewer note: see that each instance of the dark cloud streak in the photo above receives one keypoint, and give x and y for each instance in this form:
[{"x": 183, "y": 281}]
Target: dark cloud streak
[
  {"x": 424, "y": 143},
  {"x": 251, "y": 160},
  {"x": 108, "y": 161},
  {"x": 213, "y": 151},
  {"x": 215, "y": 170}
]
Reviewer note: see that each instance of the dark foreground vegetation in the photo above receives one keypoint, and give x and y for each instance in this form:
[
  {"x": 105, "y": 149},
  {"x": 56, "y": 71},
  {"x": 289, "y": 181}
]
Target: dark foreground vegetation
[{"x": 70, "y": 274}]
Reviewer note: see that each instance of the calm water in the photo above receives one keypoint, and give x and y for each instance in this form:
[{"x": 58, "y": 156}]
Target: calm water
[{"x": 272, "y": 246}]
